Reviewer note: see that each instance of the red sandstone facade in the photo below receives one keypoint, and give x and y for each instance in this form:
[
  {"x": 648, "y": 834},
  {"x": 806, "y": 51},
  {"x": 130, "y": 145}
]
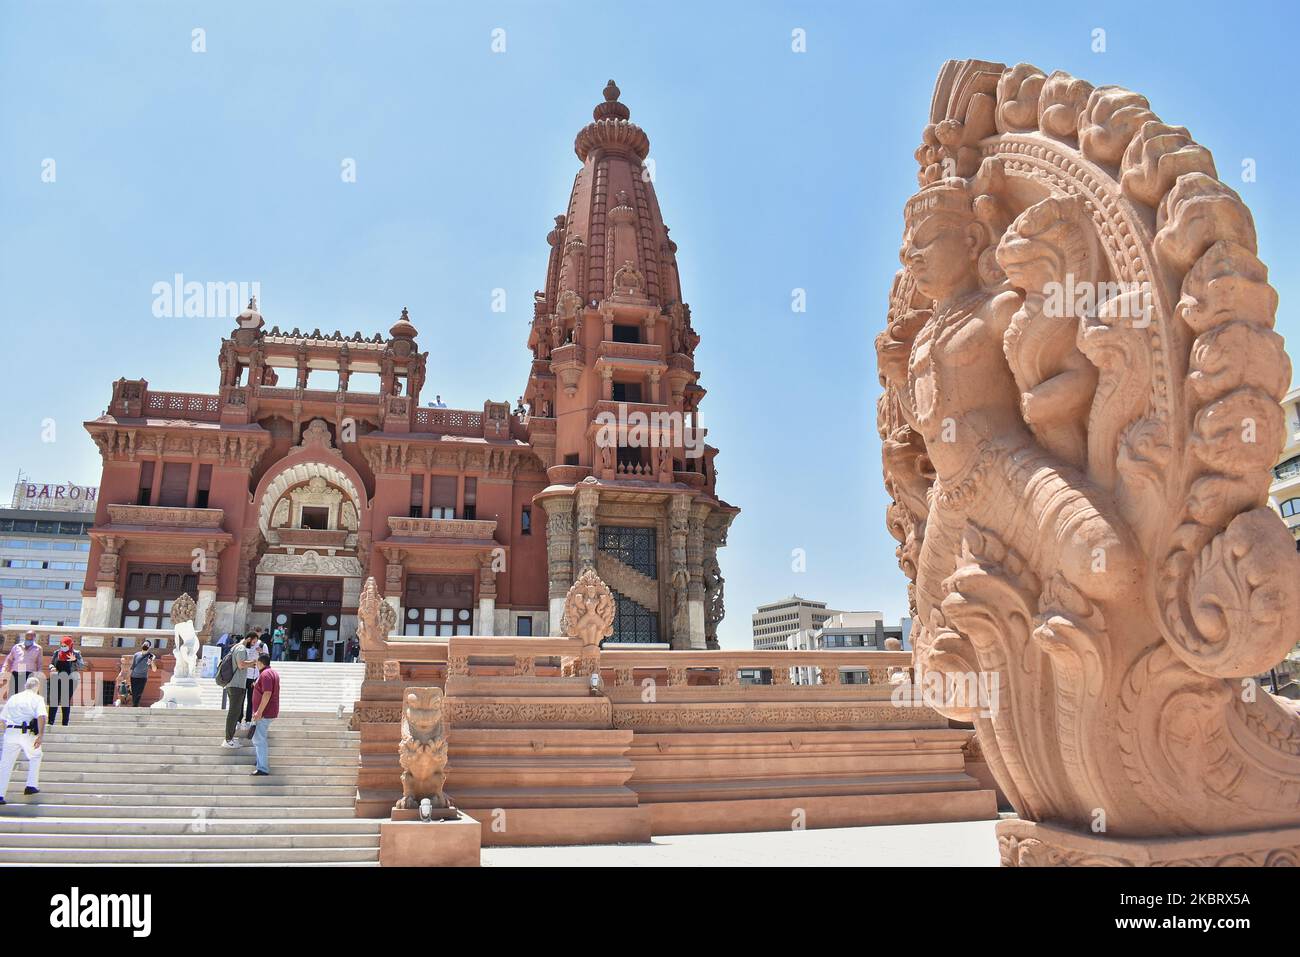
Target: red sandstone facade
[{"x": 270, "y": 501}]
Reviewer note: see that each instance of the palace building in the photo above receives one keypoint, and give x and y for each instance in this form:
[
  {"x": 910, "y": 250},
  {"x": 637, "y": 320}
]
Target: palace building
[{"x": 270, "y": 501}]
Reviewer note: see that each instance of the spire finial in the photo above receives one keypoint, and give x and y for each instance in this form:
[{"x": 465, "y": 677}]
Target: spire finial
[{"x": 611, "y": 108}]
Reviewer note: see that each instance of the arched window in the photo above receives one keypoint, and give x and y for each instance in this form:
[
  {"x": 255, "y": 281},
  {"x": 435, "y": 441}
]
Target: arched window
[{"x": 1291, "y": 507}]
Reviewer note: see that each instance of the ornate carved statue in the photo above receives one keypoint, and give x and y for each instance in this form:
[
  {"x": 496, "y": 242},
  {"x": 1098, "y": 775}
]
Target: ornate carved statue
[
  {"x": 1080, "y": 413},
  {"x": 376, "y": 619},
  {"x": 423, "y": 750},
  {"x": 588, "y": 611}
]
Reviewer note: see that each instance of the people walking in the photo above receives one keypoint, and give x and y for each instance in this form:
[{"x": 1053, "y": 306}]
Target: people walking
[
  {"x": 24, "y": 731},
  {"x": 142, "y": 662},
  {"x": 295, "y": 646},
  {"x": 23, "y": 661},
  {"x": 266, "y": 708},
  {"x": 245, "y": 667},
  {"x": 277, "y": 643},
  {"x": 123, "y": 682},
  {"x": 65, "y": 676}
]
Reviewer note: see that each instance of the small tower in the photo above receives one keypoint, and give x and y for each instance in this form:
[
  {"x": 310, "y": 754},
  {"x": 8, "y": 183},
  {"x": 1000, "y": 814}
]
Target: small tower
[{"x": 614, "y": 380}]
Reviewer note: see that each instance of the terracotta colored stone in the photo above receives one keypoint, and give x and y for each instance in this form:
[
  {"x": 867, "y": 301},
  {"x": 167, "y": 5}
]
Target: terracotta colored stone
[
  {"x": 431, "y": 844},
  {"x": 1080, "y": 414}
]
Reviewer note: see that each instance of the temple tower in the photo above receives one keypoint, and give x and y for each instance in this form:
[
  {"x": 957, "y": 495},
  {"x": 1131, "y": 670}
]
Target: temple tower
[{"x": 613, "y": 380}]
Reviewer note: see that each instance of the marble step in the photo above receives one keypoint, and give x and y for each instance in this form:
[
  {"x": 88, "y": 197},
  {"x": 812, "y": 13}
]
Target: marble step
[
  {"x": 189, "y": 826},
  {"x": 59, "y": 839},
  {"x": 205, "y": 777},
  {"x": 264, "y": 794},
  {"x": 76, "y": 807},
  {"x": 80, "y": 857}
]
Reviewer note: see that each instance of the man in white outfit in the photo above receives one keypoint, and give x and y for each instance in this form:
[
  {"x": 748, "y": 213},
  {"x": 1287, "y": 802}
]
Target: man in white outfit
[{"x": 24, "y": 724}]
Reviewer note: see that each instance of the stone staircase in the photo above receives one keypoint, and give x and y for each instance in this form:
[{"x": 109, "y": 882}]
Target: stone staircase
[
  {"x": 154, "y": 786},
  {"x": 306, "y": 686}
]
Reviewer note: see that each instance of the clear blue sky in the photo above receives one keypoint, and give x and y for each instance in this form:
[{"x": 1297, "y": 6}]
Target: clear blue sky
[{"x": 775, "y": 170}]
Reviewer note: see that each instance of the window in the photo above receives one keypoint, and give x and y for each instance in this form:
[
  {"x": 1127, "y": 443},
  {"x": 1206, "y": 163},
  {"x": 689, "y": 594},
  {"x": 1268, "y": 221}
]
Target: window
[
  {"x": 317, "y": 517},
  {"x": 1291, "y": 507},
  {"x": 204, "y": 487},
  {"x": 175, "y": 489},
  {"x": 627, "y": 392},
  {"x": 627, "y": 333},
  {"x": 524, "y": 626},
  {"x": 571, "y": 458},
  {"x": 145, "y": 494},
  {"x": 634, "y": 547},
  {"x": 438, "y": 606},
  {"x": 632, "y": 622},
  {"x": 471, "y": 498},
  {"x": 525, "y": 521},
  {"x": 1288, "y": 469},
  {"x": 442, "y": 503},
  {"x": 417, "y": 496}
]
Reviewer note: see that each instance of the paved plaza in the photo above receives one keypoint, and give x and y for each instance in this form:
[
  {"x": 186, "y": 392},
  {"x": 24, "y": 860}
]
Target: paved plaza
[{"x": 966, "y": 844}]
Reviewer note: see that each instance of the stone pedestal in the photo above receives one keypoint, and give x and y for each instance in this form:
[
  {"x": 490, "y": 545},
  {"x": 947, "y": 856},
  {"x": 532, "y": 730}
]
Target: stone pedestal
[
  {"x": 180, "y": 693},
  {"x": 1027, "y": 844},
  {"x": 448, "y": 843}
]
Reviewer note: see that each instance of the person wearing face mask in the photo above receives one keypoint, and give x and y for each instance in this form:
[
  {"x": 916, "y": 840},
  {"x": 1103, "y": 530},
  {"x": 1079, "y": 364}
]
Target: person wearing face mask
[
  {"x": 142, "y": 662},
  {"x": 65, "y": 668},
  {"x": 244, "y": 658},
  {"x": 23, "y": 661}
]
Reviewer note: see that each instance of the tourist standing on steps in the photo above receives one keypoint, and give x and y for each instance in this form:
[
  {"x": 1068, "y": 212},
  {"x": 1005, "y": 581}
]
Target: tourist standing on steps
[
  {"x": 142, "y": 662},
  {"x": 259, "y": 648},
  {"x": 24, "y": 723},
  {"x": 266, "y": 705},
  {"x": 295, "y": 646},
  {"x": 277, "y": 643},
  {"x": 23, "y": 661},
  {"x": 245, "y": 668},
  {"x": 65, "y": 675}
]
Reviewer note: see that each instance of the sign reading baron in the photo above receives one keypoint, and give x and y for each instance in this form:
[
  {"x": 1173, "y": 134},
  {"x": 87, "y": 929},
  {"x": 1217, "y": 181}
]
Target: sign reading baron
[
  {"x": 39, "y": 496},
  {"x": 77, "y": 910}
]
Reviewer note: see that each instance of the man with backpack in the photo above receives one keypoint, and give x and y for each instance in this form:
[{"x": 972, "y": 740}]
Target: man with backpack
[{"x": 236, "y": 670}]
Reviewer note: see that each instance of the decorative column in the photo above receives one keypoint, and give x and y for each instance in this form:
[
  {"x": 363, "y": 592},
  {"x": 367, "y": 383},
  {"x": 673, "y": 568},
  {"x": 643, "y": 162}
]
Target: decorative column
[
  {"x": 208, "y": 576},
  {"x": 393, "y": 582},
  {"x": 679, "y": 576},
  {"x": 588, "y": 499},
  {"x": 106, "y": 582},
  {"x": 715, "y": 536},
  {"x": 695, "y": 593},
  {"x": 559, "y": 555},
  {"x": 487, "y": 596}
]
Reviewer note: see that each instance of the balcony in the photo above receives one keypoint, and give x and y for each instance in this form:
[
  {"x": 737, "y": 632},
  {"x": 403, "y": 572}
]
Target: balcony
[
  {"x": 443, "y": 529},
  {"x": 637, "y": 351},
  {"x": 327, "y": 538},
  {"x": 183, "y": 405},
  {"x": 449, "y": 422},
  {"x": 164, "y": 516}
]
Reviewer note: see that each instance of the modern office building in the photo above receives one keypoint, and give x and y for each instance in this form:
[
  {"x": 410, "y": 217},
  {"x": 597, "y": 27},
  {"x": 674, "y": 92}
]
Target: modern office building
[
  {"x": 775, "y": 622},
  {"x": 44, "y": 550}
]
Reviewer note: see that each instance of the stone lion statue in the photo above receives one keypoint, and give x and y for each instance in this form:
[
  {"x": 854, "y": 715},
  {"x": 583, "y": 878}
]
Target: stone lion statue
[{"x": 423, "y": 751}]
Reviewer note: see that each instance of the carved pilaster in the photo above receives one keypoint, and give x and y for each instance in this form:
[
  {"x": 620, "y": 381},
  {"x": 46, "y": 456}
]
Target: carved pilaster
[
  {"x": 679, "y": 577},
  {"x": 559, "y": 544},
  {"x": 588, "y": 500}
]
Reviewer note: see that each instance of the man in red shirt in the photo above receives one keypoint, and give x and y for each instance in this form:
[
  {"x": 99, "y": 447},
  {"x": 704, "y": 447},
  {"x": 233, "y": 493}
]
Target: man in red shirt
[{"x": 266, "y": 708}]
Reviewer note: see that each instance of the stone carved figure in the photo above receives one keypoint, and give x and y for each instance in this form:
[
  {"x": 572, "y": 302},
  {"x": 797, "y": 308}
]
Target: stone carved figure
[
  {"x": 376, "y": 619},
  {"x": 186, "y": 650},
  {"x": 588, "y": 611},
  {"x": 423, "y": 749},
  {"x": 1080, "y": 413}
]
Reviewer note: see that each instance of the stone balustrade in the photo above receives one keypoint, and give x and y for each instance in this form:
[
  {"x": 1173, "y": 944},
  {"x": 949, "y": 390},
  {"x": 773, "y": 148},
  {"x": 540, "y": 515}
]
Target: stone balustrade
[
  {"x": 166, "y": 516},
  {"x": 183, "y": 405},
  {"x": 472, "y": 529}
]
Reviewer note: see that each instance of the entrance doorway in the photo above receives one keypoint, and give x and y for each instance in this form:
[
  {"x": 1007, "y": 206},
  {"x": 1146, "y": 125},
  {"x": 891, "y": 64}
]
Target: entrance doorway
[{"x": 310, "y": 611}]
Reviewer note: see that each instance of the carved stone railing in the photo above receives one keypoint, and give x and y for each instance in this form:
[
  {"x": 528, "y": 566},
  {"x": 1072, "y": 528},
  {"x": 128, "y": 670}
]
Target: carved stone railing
[
  {"x": 517, "y": 656},
  {"x": 643, "y": 351},
  {"x": 722, "y": 668},
  {"x": 166, "y": 516},
  {"x": 183, "y": 405},
  {"x": 480, "y": 529},
  {"x": 449, "y": 421},
  {"x": 310, "y": 537}
]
